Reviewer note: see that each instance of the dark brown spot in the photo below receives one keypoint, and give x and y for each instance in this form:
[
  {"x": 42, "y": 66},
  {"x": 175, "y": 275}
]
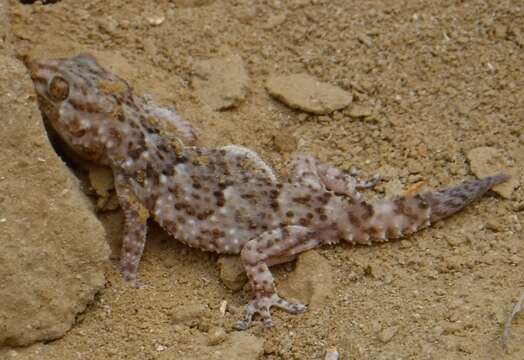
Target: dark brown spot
[
  {"x": 152, "y": 130},
  {"x": 290, "y": 214},
  {"x": 150, "y": 172},
  {"x": 368, "y": 208},
  {"x": 180, "y": 206},
  {"x": 168, "y": 170},
  {"x": 373, "y": 231},
  {"x": 302, "y": 199},
  {"x": 251, "y": 224},
  {"x": 204, "y": 215},
  {"x": 354, "y": 220},
  {"x": 181, "y": 159},
  {"x": 135, "y": 153},
  {"x": 170, "y": 225},
  {"x": 400, "y": 207}
]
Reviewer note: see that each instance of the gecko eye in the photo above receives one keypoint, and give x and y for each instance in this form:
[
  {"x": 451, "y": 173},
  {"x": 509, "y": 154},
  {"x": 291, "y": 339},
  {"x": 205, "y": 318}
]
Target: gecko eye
[{"x": 58, "y": 88}]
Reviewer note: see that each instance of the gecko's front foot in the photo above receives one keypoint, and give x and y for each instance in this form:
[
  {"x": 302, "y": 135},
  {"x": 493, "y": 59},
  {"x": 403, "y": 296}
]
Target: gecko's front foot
[
  {"x": 131, "y": 280},
  {"x": 262, "y": 305}
]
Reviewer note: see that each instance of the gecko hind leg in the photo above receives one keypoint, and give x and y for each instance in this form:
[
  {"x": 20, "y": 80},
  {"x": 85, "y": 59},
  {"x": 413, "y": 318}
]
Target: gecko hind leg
[
  {"x": 309, "y": 171},
  {"x": 270, "y": 248},
  {"x": 256, "y": 163}
]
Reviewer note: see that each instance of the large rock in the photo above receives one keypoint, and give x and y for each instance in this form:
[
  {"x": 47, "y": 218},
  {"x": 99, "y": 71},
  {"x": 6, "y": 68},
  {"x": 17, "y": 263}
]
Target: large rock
[{"x": 53, "y": 247}]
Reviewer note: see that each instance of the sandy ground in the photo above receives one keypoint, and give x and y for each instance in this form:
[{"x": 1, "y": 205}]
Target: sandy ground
[{"x": 435, "y": 78}]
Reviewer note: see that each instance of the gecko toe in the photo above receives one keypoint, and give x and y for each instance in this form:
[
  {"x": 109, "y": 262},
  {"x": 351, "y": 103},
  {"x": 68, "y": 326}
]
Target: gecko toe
[{"x": 262, "y": 307}]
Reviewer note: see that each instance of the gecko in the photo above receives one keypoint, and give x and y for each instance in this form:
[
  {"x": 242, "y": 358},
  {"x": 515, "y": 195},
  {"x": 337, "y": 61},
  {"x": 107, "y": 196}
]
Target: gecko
[{"x": 226, "y": 199}]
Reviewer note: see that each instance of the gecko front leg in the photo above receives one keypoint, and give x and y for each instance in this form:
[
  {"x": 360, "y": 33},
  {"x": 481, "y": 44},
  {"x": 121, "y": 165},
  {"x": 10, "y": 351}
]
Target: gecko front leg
[
  {"x": 270, "y": 248},
  {"x": 135, "y": 229}
]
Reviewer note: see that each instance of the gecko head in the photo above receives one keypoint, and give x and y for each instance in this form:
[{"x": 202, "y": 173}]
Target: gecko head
[{"x": 79, "y": 99}]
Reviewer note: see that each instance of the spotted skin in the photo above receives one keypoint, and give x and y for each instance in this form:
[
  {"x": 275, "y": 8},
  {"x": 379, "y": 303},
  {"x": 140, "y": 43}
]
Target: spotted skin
[{"x": 225, "y": 200}]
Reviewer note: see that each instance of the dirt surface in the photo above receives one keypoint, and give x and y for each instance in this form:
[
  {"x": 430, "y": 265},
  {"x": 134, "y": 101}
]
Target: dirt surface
[{"x": 430, "y": 81}]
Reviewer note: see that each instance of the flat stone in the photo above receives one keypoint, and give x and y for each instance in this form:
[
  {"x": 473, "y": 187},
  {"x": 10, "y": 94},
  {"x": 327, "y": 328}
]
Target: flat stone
[
  {"x": 221, "y": 83},
  {"x": 53, "y": 246},
  {"x": 304, "y": 92},
  {"x": 486, "y": 161}
]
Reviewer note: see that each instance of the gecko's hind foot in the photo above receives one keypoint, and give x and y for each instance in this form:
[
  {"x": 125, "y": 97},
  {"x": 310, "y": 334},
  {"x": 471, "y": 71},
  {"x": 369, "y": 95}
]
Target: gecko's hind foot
[{"x": 262, "y": 305}]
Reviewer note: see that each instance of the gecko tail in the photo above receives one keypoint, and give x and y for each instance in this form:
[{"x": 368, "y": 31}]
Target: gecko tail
[{"x": 449, "y": 201}]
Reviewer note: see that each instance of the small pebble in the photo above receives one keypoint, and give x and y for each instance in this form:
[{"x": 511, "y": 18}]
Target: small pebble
[
  {"x": 360, "y": 111},
  {"x": 332, "y": 354},
  {"x": 216, "y": 336},
  {"x": 156, "y": 20},
  {"x": 387, "y": 334}
]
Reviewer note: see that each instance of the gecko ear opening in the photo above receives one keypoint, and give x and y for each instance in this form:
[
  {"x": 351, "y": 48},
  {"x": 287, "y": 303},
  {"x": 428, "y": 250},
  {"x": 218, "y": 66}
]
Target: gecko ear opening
[{"x": 58, "y": 88}]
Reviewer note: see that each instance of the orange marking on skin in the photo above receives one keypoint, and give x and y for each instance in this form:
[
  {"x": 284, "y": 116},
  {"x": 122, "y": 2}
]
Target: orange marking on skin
[{"x": 414, "y": 189}]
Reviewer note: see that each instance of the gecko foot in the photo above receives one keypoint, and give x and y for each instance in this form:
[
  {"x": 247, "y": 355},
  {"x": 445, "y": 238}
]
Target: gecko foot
[
  {"x": 262, "y": 305},
  {"x": 131, "y": 280}
]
